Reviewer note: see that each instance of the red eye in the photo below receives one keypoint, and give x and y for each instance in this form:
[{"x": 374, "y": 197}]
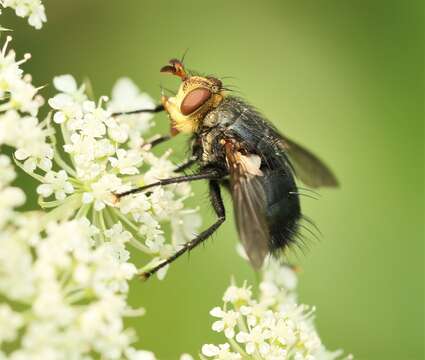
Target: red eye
[{"x": 194, "y": 100}]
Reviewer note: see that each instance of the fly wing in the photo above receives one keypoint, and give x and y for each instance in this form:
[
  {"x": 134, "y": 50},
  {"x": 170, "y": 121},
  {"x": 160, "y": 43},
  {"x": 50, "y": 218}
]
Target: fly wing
[
  {"x": 249, "y": 201},
  {"x": 308, "y": 167}
]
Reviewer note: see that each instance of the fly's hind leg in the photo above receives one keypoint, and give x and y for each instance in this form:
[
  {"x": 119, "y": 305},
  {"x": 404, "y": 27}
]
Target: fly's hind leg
[{"x": 217, "y": 203}]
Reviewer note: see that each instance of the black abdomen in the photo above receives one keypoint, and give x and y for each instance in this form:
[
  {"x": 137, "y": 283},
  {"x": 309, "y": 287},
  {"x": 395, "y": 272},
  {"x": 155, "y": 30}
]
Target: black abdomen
[{"x": 283, "y": 210}]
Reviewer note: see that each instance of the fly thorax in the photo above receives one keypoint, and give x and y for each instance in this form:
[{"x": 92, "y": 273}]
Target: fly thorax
[{"x": 217, "y": 117}]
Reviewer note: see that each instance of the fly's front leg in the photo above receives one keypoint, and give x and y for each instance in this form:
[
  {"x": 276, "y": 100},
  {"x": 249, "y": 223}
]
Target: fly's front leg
[
  {"x": 155, "y": 141},
  {"x": 159, "y": 139},
  {"x": 156, "y": 109},
  {"x": 210, "y": 174},
  {"x": 217, "y": 203}
]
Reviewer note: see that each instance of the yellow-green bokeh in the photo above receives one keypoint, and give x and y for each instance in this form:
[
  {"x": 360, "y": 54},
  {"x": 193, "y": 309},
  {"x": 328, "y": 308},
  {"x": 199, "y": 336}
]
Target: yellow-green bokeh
[{"x": 345, "y": 79}]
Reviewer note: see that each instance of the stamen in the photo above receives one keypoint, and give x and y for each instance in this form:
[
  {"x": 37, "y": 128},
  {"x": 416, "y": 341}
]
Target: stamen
[
  {"x": 27, "y": 56},
  {"x": 6, "y": 43},
  {"x": 102, "y": 99}
]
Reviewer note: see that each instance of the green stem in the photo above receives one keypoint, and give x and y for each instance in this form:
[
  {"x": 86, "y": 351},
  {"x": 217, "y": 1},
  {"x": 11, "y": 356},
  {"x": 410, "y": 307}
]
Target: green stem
[
  {"x": 83, "y": 211},
  {"x": 64, "y": 211},
  {"x": 238, "y": 348},
  {"x": 39, "y": 178},
  {"x": 101, "y": 222},
  {"x": 67, "y": 140},
  {"x": 61, "y": 162},
  {"x": 134, "y": 230},
  {"x": 48, "y": 204}
]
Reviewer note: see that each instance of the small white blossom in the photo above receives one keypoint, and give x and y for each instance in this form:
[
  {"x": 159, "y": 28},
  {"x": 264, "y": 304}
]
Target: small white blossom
[
  {"x": 127, "y": 97},
  {"x": 227, "y": 323},
  {"x": 237, "y": 296},
  {"x": 255, "y": 340},
  {"x": 10, "y": 322},
  {"x": 127, "y": 162},
  {"x": 55, "y": 183},
  {"x": 32, "y": 9},
  {"x": 220, "y": 352},
  {"x": 186, "y": 357}
]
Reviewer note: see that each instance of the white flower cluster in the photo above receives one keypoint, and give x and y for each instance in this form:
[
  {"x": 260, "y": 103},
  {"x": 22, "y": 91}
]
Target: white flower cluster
[
  {"x": 18, "y": 96},
  {"x": 32, "y": 9},
  {"x": 65, "y": 289},
  {"x": 105, "y": 155},
  {"x": 272, "y": 327},
  {"x": 64, "y": 272}
]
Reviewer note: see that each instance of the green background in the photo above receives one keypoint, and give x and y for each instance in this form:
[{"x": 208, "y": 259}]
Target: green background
[{"x": 345, "y": 79}]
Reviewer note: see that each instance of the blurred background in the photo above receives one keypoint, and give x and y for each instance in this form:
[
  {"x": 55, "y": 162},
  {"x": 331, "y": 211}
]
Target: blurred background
[{"x": 343, "y": 78}]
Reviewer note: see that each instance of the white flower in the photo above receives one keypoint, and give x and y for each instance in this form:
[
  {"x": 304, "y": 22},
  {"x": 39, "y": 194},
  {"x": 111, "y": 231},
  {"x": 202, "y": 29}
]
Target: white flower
[
  {"x": 186, "y": 357},
  {"x": 227, "y": 323},
  {"x": 238, "y": 296},
  {"x": 220, "y": 352},
  {"x": 69, "y": 101},
  {"x": 277, "y": 353},
  {"x": 102, "y": 191},
  {"x": 31, "y": 145},
  {"x": 127, "y": 97},
  {"x": 65, "y": 84},
  {"x": 161, "y": 168},
  {"x": 55, "y": 183},
  {"x": 32, "y": 9},
  {"x": 10, "y": 322},
  {"x": 126, "y": 162},
  {"x": 255, "y": 340},
  {"x": 272, "y": 326},
  {"x": 133, "y": 354},
  {"x": 284, "y": 331},
  {"x": 7, "y": 172}
]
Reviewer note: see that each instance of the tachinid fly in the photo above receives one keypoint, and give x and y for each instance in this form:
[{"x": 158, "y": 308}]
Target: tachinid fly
[{"x": 235, "y": 147}]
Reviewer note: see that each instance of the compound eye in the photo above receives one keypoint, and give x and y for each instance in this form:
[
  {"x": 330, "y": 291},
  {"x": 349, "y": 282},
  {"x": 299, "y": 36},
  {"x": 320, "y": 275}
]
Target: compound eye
[{"x": 194, "y": 100}]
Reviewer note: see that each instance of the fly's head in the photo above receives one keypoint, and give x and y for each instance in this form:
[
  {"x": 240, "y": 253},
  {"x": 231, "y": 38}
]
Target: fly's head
[{"x": 197, "y": 95}]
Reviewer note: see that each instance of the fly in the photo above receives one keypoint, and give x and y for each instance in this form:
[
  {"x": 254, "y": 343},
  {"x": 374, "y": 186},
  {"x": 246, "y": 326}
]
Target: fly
[{"x": 235, "y": 147}]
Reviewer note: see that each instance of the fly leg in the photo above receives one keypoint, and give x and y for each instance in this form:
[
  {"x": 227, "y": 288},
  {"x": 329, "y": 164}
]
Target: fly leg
[
  {"x": 210, "y": 174},
  {"x": 217, "y": 203},
  {"x": 187, "y": 164},
  {"x": 156, "y": 109},
  {"x": 157, "y": 140}
]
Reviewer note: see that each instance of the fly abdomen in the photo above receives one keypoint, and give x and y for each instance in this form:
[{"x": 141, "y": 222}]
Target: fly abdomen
[{"x": 282, "y": 209}]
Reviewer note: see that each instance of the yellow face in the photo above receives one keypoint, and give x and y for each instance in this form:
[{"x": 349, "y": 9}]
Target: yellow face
[{"x": 196, "y": 96}]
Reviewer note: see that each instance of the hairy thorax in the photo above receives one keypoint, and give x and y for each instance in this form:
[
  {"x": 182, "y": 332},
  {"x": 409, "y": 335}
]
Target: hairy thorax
[{"x": 215, "y": 130}]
